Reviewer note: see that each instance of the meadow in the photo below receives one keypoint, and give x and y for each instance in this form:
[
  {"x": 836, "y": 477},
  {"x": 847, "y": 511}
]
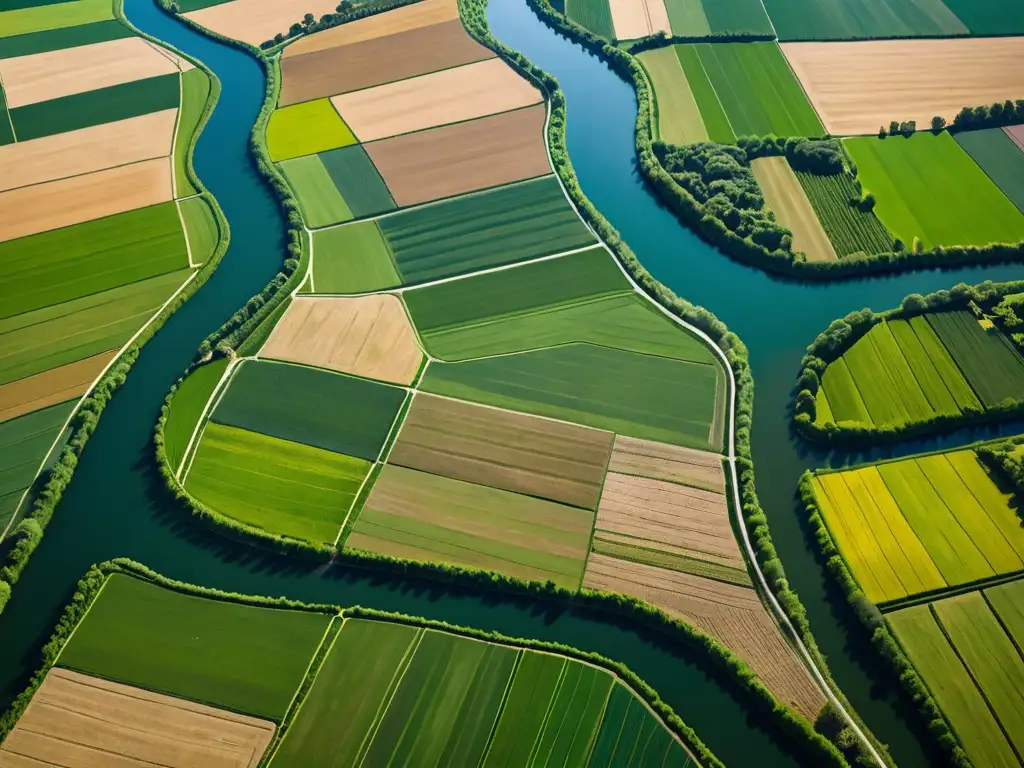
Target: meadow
[
  {"x": 353, "y": 259},
  {"x": 201, "y": 228},
  {"x": 860, "y": 19},
  {"x": 850, "y": 229},
  {"x": 187, "y": 407},
  {"x": 1000, "y": 158}
]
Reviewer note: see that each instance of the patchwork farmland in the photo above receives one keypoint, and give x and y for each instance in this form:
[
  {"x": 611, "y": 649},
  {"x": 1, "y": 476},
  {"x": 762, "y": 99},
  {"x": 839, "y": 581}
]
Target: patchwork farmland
[{"x": 97, "y": 234}]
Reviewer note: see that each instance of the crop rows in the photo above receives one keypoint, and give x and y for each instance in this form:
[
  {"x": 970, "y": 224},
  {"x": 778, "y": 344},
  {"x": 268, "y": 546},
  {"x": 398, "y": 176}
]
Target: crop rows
[
  {"x": 993, "y": 367},
  {"x": 850, "y": 229},
  {"x": 594, "y": 15}
]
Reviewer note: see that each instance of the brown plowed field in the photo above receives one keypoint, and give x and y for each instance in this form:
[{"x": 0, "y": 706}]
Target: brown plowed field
[
  {"x": 65, "y": 202},
  {"x": 87, "y": 150},
  {"x": 731, "y": 614},
  {"x": 256, "y": 21},
  {"x": 785, "y": 196},
  {"x": 422, "y": 14},
  {"x": 661, "y": 461},
  {"x": 377, "y": 61},
  {"x": 455, "y": 159},
  {"x": 369, "y": 336},
  {"x": 857, "y": 87},
  {"x": 639, "y": 18},
  {"x": 463, "y": 93},
  {"x": 1016, "y": 132},
  {"x": 501, "y": 449},
  {"x": 82, "y": 721},
  {"x": 51, "y": 387},
  {"x": 50, "y": 75},
  {"x": 665, "y": 513}
]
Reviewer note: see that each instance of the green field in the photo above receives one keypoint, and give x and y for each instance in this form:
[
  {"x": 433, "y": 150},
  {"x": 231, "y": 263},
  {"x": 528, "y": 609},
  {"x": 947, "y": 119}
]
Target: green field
[
  {"x": 848, "y": 19},
  {"x": 24, "y": 442},
  {"x": 629, "y": 736},
  {"x": 242, "y": 657},
  {"x": 186, "y": 408},
  {"x": 989, "y": 17},
  {"x": 23, "y": 21},
  {"x": 312, "y": 406},
  {"x": 595, "y": 15},
  {"x": 69, "y": 263},
  {"x": 283, "y": 487},
  {"x": 638, "y": 395},
  {"x": 319, "y": 199},
  {"x": 358, "y": 181},
  {"x": 716, "y": 122},
  {"x": 850, "y": 229},
  {"x": 729, "y": 16},
  {"x": 952, "y": 687},
  {"x": 754, "y": 85},
  {"x": 106, "y": 105},
  {"x": 994, "y": 369},
  {"x": 929, "y": 188},
  {"x": 679, "y": 118},
  {"x": 687, "y": 18},
  {"x": 52, "y": 336},
  {"x": 59, "y": 39},
  {"x": 999, "y": 157},
  {"x": 200, "y": 227},
  {"x": 353, "y": 259},
  {"x": 305, "y": 129},
  {"x": 195, "y": 92},
  {"x": 1007, "y": 602},
  {"x": 502, "y": 226}
]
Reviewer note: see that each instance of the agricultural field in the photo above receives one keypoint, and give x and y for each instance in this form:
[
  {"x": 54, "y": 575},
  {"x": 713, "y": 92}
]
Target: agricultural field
[
  {"x": 920, "y": 524},
  {"x": 784, "y": 194},
  {"x": 632, "y": 19},
  {"x": 864, "y": 19},
  {"x": 853, "y": 86},
  {"x": 851, "y": 230},
  {"x": 679, "y": 118},
  {"x": 253, "y": 21},
  {"x": 1000, "y": 158},
  {"x": 595, "y": 15},
  {"x": 1016, "y": 134},
  {"x": 903, "y": 174},
  {"x": 187, "y": 408},
  {"x": 698, "y": 18},
  {"x": 989, "y": 17}
]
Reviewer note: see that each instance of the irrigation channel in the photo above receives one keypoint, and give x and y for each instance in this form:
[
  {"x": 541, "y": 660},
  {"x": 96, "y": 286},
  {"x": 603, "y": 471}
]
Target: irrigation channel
[{"x": 116, "y": 505}]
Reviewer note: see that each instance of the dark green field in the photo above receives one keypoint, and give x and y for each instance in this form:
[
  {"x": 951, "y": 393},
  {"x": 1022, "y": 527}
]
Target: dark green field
[
  {"x": 629, "y": 737},
  {"x": 999, "y": 157},
  {"x": 307, "y": 405},
  {"x": 24, "y": 442},
  {"x": 358, "y": 181},
  {"x": 987, "y": 358},
  {"x": 57, "y": 39},
  {"x": 990, "y": 17},
  {"x": 850, "y": 229},
  {"x": 850, "y": 19}
]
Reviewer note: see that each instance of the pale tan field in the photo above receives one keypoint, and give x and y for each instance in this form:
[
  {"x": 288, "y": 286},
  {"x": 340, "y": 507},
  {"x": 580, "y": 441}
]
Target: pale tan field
[
  {"x": 377, "y": 61},
  {"x": 731, "y": 614},
  {"x": 182, "y": 64},
  {"x": 786, "y": 197},
  {"x": 661, "y": 461},
  {"x": 440, "y": 98},
  {"x": 368, "y": 336},
  {"x": 501, "y": 449},
  {"x": 50, "y": 75},
  {"x": 256, "y": 21},
  {"x": 82, "y": 198},
  {"x": 82, "y": 721},
  {"x": 51, "y": 387},
  {"x": 455, "y": 159},
  {"x": 422, "y": 14},
  {"x": 1016, "y": 132},
  {"x": 856, "y": 87},
  {"x": 89, "y": 149},
  {"x": 638, "y": 18}
]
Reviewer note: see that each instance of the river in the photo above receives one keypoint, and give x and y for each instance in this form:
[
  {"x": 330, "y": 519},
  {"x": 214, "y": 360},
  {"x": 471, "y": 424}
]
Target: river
[{"x": 116, "y": 505}]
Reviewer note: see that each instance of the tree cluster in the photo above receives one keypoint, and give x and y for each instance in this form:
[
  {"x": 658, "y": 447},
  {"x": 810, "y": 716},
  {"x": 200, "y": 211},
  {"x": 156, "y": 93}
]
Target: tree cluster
[{"x": 994, "y": 116}]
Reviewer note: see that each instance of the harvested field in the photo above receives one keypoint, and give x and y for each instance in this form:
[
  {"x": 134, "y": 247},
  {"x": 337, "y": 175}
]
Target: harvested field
[
  {"x": 51, "y": 387},
  {"x": 672, "y": 463},
  {"x": 90, "y": 149},
  {"x": 1016, "y": 132},
  {"x": 679, "y": 118},
  {"x": 638, "y": 18},
  {"x": 857, "y": 87},
  {"x": 368, "y": 336},
  {"x": 353, "y": 259},
  {"x": 305, "y": 129},
  {"x": 464, "y": 157},
  {"x": 255, "y": 21},
  {"x": 439, "y": 98},
  {"x": 65, "y": 202},
  {"x": 358, "y": 180},
  {"x": 731, "y": 614},
  {"x": 420, "y": 516},
  {"x": 52, "y": 75},
  {"x": 377, "y": 61},
  {"x": 414, "y": 16},
  {"x": 501, "y": 449},
  {"x": 784, "y": 195},
  {"x": 75, "y": 719}
]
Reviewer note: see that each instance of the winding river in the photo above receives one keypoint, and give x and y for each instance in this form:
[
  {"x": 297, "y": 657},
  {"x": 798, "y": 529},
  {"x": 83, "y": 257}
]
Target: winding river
[{"x": 116, "y": 505}]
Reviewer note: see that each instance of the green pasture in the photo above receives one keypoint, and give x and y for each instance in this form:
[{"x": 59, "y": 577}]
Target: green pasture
[
  {"x": 716, "y": 122},
  {"x": 353, "y": 259},
  {"x": 242, "y": 657},
  {"x": 24, "y": 443},
  {"x": 987, "y": 358},
  {"x": 26, "y": 20},
  {"x": 195, "y": 92},
  {"x": 679, "y": 118},
  {"x": 1007, "y": 602},
  {"x": 999, "y": 157},
  {"x": 56, "y": 335},
  {"x": 473, "y": 232},
  {"x": 989, "y": 17},
  {"x": 200, "y": 228},
  {"x": 66, "y": 264},
  {"x": 59, "y": 39},
  {"x": 594, "y": 15},
  {"x": 927, "y": 187},
  {"x": 688, "y": 18},
  {"x": 358, "y": 181},
  {"x": 305, "y": 129},
  {"x": 318, "y": 197},
  {"x": 631, "y": 736},
  {"x": 187, "y": 407},
  {"x": 951, "y": 686},
  {"x": 638, "y": 395},
  {"x": 860, "y": 19},
  {"x": 280, "y": 486},
  {"x": 850, "y": 229},
  {"x": 729, "y": 16},
  {"x": 105, "y": 105}
]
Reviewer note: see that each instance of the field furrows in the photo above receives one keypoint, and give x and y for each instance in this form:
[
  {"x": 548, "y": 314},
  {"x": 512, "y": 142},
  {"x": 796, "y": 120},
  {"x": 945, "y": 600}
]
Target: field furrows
[
  {"x": 672, "y": 463},
  {"x": 850, "y": 229}
]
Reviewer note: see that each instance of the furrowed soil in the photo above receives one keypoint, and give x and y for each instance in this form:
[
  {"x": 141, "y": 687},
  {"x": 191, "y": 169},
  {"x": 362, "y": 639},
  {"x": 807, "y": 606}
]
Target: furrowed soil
[
  {"x": 662, "y": 461},
  {"x": 51, "y": 387}
]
